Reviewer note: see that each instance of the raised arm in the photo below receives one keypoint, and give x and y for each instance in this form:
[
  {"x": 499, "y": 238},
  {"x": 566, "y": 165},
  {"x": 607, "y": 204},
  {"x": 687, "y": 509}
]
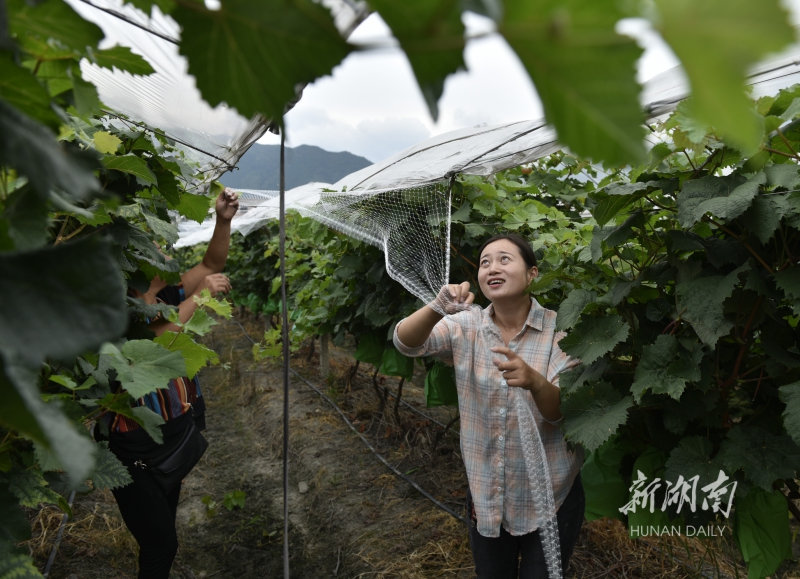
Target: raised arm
[
  {"x": 416, "y": 328},
  {"x": 217, "y": 253}
]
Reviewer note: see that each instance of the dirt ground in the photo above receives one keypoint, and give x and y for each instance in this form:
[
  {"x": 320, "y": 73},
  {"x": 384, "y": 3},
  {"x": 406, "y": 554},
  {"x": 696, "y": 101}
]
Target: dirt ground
[{"x": 350, "y": 517}]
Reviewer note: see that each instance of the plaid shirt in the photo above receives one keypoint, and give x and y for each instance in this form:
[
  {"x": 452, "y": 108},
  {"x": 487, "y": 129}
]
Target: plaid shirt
[{"x": 490, "y": 441}]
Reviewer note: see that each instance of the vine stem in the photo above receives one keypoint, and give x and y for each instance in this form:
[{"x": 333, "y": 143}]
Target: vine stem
[
  {"x": 781, "y": 153},
  {"x": 742, "y": 349},
  {"x": 60, "y": 236},
  {"x": 759, "y": 383},
  {"x": 787, "y": 143},
  {"x": 739, "y": 238}
]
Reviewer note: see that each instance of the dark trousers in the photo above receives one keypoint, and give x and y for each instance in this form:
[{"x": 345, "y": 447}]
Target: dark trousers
[
  {"x": 509, "y": 556},
  {"x": 149, "y": 515}
]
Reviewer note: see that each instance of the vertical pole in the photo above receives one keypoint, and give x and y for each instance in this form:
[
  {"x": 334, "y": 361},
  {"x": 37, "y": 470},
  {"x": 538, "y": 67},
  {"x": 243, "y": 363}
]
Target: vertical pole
[{"x": 285, "y": 341}]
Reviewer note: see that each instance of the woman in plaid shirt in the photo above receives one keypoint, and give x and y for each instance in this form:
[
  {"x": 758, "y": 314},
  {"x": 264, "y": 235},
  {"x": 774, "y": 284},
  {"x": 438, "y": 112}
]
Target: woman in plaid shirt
[{"x": 504, "y": 533}]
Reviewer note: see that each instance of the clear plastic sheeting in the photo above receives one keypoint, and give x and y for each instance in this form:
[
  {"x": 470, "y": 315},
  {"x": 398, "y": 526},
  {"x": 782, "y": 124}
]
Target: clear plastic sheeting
[{"x": 168, "y": 100}]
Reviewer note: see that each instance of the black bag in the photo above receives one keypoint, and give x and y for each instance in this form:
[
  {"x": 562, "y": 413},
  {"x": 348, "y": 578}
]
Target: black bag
[{"x": 170, "y": 470}]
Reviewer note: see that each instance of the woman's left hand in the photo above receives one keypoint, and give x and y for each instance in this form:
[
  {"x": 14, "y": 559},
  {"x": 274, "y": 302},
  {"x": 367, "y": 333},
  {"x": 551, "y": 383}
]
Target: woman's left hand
[{"x": 515, "y": 371}]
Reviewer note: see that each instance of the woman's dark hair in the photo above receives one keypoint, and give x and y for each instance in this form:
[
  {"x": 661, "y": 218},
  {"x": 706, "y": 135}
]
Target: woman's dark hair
[{"x": 524, "y": 247}]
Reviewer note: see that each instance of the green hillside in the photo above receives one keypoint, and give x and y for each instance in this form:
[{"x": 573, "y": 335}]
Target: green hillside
[{"x": 258, "y": 168}]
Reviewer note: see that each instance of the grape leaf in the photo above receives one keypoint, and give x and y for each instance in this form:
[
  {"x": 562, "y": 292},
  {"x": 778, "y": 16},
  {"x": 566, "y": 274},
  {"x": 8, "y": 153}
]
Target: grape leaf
[
  {"x": 17, "y": 566},
  {"x": 393, "y": 363},
  {"x": 723, "y": 197},
  {"x": 123, "y": 58},
  {"x": 692, "y": 457},
  {"x": 575, "y": 378},
  {"x": 109, "y": 472},
  {"x": 143, "y": 366},
  {"x": 221, "y": 307},
  {"x": 593, "y": 414},
  {"x": 251, "y": 54},
  {"x": 608, "y": 208},
  {"x": 717, "y": 41},
  {"x": 790, "y": 395},
  {"x": 789, "y": 281},
  {"x": 30, "y": 488},
  {"x": 27, "y": 218},
  {"x": 131, "y": 164},
  {"x": 19, "y": 88},
  {"x": 593, "y": 337},
  {"x": 653, "y": 370},
  {"x": 195, "y": 355},
  {"x": 569, "y": 312},
  {"x": 32, "y": 150},
  {"x": 105, "y": 142},
  {"x": 763, "y": 456},
  {"x": 200, "y": 322},
  {"x": 786, "y": 176},
  {"x": 194, "y": 207},
  {"x": 165, "y": 229},
  {"x": 60, "y": 301},
  {"x": 584, "y": 73},
  {"x": 144, "y": 417},
  {"x": 702, "y": 299},
  {"x": 431, "y": 34},
  {"x": 370, "y": 350},
  {"x": 764, "y": 217},
  {"x": 22, "y": 409},
  {"x": 53, "y": 19}
]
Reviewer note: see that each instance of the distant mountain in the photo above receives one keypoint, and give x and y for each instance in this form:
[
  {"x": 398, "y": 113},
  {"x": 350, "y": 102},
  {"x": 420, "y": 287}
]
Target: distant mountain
[{"x": 259, "y": 167}]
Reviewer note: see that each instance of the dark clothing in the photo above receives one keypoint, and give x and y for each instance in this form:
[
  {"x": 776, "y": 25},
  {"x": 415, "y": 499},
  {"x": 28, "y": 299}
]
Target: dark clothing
[
  {"x": 149, "y": 515},
  {"x": 509, "y": 556},
  {"x": 149, "y": 512}
]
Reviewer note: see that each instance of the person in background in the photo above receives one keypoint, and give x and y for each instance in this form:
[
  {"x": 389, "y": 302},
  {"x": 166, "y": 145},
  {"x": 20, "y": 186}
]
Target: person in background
[
  {"x": 512, "y": 344},
  {"x": 148, "y": 510}
]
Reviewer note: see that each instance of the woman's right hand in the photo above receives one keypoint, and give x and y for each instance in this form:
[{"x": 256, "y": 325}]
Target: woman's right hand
[
  {"x": 453, "y": 298},
  {"x": 215, "y": 283}
]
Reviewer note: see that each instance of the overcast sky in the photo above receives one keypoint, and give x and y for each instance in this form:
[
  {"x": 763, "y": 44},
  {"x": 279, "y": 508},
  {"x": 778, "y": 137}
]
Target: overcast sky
[{"x": 371, "y": 105}]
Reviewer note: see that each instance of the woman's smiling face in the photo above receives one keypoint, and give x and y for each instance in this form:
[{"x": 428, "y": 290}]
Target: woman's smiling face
[{"x": 502, "y": 271}]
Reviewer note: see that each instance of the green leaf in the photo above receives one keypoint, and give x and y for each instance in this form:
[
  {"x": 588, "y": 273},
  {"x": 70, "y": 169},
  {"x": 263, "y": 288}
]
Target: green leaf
[
  {"x": 60, "y": 301},
  {"x": 109, "y": 472},
  {"x": 234, "y": 499},
  {"x": 569, "y": 312},
  {"x": 703, "y": 299},
  {"x": 194, "y": 207},
  {"x": 16, "y": 566},
  {"x": 593, "y": 414},
  {"x": 717, "y": 41},
  {"x": 692, "y": 457},
  {"x": 143, "y": 366},
  {"x": 106, "y": 143},
  {"x": 431, "y": 34},
  {"x": 123, "y": 58},
  {"x": 608, "y": 208},
  {"x": 653, "y": 370},
  {"x": 53, "y": 19},
  {"x": 165, "y": 229},
  {"x": 195, "y": 355},
  {"x": 30, "y": 488},
  {"x": 28, "y": 219},
  {"x": 132, "y": 165},
  {"x": 790, "y": 395},
  {"x": 763, "y": 456},
  {"x": 593, "y": 337},
  {"x": 22, "y": 409},
  {"x": 624, "y": 231},
  {"x": 144, "y": 417},
  {"x": 231, "y": 49},
  {"x": 786, "y": 176},
  {"x": 32, "y": 150},
  {"x": 440, "y": 386},
  {"x": 723, "y": 197},
  {"x": 583, "y": 71},
  {"x": 19, "y": 88},
  {"x": 761, "y": 531},
  {"x": 221, "y": 307},
  {"x": 200, "y": 322},
  {"x": 764, "y": 217},
  {"x": 789, "y": 281},
  {"x": 651, "y": 464},
  {"x": 84, "y": 94}
]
